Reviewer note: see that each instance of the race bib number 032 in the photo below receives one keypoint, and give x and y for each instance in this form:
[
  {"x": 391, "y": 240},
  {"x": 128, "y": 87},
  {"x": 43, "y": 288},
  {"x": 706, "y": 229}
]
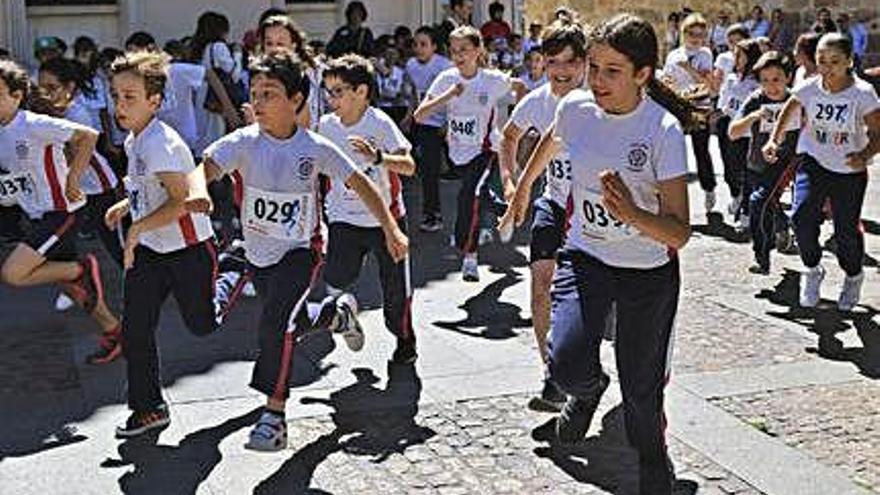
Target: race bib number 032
[{"x": 276, "y": 214}]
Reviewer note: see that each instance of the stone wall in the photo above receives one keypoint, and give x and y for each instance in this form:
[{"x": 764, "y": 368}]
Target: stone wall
[{"x": 800, "y": 12}]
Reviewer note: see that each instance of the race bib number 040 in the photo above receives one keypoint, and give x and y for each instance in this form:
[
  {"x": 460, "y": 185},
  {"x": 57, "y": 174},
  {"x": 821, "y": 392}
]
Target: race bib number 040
[
  {"x": 463, "y": 129},
  {"x": 278, "y": 215}
]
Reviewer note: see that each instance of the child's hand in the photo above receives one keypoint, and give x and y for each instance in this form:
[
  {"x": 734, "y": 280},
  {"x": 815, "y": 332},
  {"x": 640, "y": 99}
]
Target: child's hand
[{"x": 363, "y": 147}]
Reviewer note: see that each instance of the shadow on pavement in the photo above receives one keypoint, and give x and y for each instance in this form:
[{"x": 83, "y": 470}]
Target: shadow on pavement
[
  {"x": 369, "y": 421},
  {"x": 826, "y": 321},
  {"x": 605, "y": 461},
  {"x": 715, "y": 227}
]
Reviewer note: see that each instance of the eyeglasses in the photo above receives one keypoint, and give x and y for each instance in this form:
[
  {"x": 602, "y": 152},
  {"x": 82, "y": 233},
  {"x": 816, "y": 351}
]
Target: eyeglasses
[
  {"x": 336, "y": 91},
  {"x": 695, "y": 33}
]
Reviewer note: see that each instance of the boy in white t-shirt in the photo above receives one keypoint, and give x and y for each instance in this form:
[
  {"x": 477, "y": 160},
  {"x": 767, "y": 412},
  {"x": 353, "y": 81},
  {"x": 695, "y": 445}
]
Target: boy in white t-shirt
[{"x": 373, "y": 141}]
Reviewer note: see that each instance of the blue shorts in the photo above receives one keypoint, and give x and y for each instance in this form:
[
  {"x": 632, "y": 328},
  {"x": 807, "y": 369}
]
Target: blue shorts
[{"x": 548, "y": 230}]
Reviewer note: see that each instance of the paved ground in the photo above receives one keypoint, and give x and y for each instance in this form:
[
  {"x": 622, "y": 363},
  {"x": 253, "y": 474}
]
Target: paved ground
[{"x": 765, "y": 397}]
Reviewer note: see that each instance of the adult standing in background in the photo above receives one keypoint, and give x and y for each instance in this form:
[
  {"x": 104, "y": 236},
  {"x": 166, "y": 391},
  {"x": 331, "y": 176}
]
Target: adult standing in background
[
  {"x": 824, "y": 23},
  {"x": 495, "y": 27},
  {"x": 718, "y": 33},
  {"x": 673, "y": 32},
  {"x": 781, "y": 32},
  {"x": 354, "y": 37},
  {"x": 459, "y": 15},
  {"x": 757, "y": 24},
  {"x": 209, "y": 46}
]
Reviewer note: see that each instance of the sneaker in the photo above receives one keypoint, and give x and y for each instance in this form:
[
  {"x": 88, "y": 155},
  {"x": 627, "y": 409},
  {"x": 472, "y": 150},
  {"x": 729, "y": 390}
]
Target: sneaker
[
  {"x": 63, "y": 302},
  {"x": 269, "y": 434},
  {"x": 109, "y": 348},
  {"x": 849, "y": 294},
  {"x": 759, "y": 269},
  {"x": 734, "y": 205},
  {"x": 577, "y": 414},
  {"x": 784, "y": 241},
  {"x": 351, "y": 329},
  {"x": 742, "y": 225},
  {"x": 485, "y": 236},
  {"x": 552, "y": 399},
  {"x": 470, "y": 268},
  {"x": 811, "y": 281},
  {"x": 431, "y": 223},
  {"x": 140, "y": 422},
  {"x": 226, "y": 289},
  {"x": 249, "y": 290},
  {"x": 505, "y": 234},
  {"x": 87, "y": 290},
  {"x": 710, "y": 201},
  {"x": 405, "y": 353}
]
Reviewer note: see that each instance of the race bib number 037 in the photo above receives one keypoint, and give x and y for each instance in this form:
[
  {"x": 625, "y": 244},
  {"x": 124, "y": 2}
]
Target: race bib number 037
[
  {"x": 14, "y": 186},
  {"x": 278, "y": 215}
]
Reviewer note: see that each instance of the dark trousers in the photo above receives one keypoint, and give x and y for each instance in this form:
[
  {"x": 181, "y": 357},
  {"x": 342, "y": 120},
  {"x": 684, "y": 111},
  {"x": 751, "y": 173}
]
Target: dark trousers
[
  {"x": 429, "y": 154},
  {"x": 765, "y": 216},
  {"x": 734, "y": 155},
  {"x": 473, "y": 196},
  {"x": 813, "y": 185},
  {"x": 647, "y": 301},
  {"x": 705, "y": 170},
  {"x": 282, "y": 289},
  {"x": 188, "y": 274},
  {"x": 96, "y": 206},
  {"x": 348, "y": 245}
]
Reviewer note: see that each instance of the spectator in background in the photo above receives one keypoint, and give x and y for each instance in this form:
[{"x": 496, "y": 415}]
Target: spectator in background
[
  {"x": 403, "y": 40},
  {"x": 725, "y": 62},
  {"x": 781, "y": 32},
  {"x": 805, "y": 57},
  {"x": 757, "y": 24},
  {"x": 395, "y": 90},
  {"x": 533, "y": 69},
  {"x": 495, "y": 27},
  {"x": 47, "y": 48},
  {"x": 354, "y": 37},
  {"x": 515, "y": 51},
  {"x": 824, "y": 23},
  {"x": 859, "y": 34},
  {"x": 718, "y": 33},
  {"x": 673, "y": 32},
  {"x": 534, "y": 39},
  {"x": 86, "y": 52},
  {"x": 459, "y": 15}
]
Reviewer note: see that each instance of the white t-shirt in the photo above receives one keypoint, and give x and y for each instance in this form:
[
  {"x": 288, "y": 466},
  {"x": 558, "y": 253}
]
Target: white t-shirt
[
  {"x": 280, "y": 211},
  {"x": 33, "y": 169},
  {"x": 422, "y": 75},
  {"x": 533, "y": 84},
  {"x": 99, "y": 176},
  {"x": 646, "y": 146},
  {"x": 700, "y": 59},
  {"x": 734, "y": 92},
  {"x": 725, "y": 62},
  {"x": 178, "y": 107},
  {"x": 394, "y": 89},
  {"x": 537, "y": 111},
  {"x": 315, "y": 101},
  {"x": 157, "y": 149},
  {"x": 344, "y": 205},
  {"x": 97, "y": 101},
  {"x": 473, "y": 126},
  {"x": 834, "y": 122}
]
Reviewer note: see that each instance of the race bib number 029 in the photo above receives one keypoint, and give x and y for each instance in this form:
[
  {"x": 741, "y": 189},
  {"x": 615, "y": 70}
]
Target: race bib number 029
[
  {"x": 775, "y": 110},
  {"x": 463, "y": 129},
  {"x": 598, "y": 222},
  {"x": 278, "y": 215}
]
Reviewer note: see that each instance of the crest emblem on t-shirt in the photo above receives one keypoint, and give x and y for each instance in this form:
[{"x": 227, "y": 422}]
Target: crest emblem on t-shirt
[
  {"x": 483, "y": 98},
  {"x": 304, "y": 167},
  {"x": 140, "y": 167},
  {"x": 637, "y": 157},
  {"x": 22, "y": 150}
]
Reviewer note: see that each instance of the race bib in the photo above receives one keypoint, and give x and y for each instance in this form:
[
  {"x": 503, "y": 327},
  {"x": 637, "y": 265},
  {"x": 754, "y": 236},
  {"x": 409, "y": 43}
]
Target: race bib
[
  {"x": 767, "y": 124},
  {"x": 598, "y": 222},
  {"x": 278, "y": 215},
  {"x": 833, "y": 122},
  {"x": 559, "y": 176},
  {"x": 463, "y": 130},
  {"x": 15, "y": 186}
]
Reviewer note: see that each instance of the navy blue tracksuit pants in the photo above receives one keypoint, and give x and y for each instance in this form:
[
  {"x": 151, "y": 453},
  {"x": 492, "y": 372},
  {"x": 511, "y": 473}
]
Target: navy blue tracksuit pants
[
  {"x": 765, "y": 215},
  {"x": 583, "y": 291},
  {"x": 813, "y": 184}
]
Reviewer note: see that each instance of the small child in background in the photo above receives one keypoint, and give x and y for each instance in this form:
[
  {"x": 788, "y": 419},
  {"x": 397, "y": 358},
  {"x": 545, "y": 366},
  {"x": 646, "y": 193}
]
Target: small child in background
[
  {"x": 395, "y": 90},
  {"x": 515, "y": 54},
  {"x": 533, "y": 69}
]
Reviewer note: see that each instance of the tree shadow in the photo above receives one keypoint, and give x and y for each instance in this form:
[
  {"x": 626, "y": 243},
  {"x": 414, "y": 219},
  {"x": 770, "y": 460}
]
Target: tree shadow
[
  {"x": 489, "y": 318},
  {"x": 826, "y": 321},
  {"x": 606, "y": 461},
  {"x": 715, "y": 227},
  {"x": 178, "y": 469},
  {"x": 369, "y": 422}
]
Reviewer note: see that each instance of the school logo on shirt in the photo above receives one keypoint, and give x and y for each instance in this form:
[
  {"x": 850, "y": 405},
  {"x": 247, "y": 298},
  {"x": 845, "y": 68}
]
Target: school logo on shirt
[
  {"x": 483, "y": 98},
  {"x": 22, "y": 150},
  {"x": 305, "y": 166},
  {"x": 140, "y": 168},
  {"x": 637, "y": 156}
]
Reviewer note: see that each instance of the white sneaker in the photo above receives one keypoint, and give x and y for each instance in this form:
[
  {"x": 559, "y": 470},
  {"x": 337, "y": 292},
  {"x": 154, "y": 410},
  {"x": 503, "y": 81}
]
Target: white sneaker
[
  {"x": 742, "y": 226},
  {"x": 485, "y": 236},
  {"x": 249, "y": 290},
  {"x": 269, "y": 434},
  {"x": 710, "y": 201},
  {"x": 470, "y": 268},
  {"x": 811, "y": 281},
  {"x": 224, "y": 289},
  {"x": 505, "y": 234},
  {"x": 351, "y": 329},
  {"x": 850, "y": 292},
  {"x": 734, "y": 205},
  {"x": 63, "y": 302}
]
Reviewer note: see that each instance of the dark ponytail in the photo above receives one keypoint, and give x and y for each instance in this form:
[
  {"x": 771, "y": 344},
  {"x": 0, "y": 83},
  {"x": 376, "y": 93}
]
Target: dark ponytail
[
  {"x": 635, "y": 38},
  {"x": 70, "y": 71}
]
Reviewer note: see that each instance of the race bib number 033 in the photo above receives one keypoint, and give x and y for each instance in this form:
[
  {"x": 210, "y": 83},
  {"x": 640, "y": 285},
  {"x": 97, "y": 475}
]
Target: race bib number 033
[{"x": 276, "y": 214}]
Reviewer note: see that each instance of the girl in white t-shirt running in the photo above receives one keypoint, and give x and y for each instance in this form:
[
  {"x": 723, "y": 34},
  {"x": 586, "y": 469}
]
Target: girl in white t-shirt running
[
  {"x": 470, "y": 95},
  {"x": 630, "y": 215},
  {"x": 839, "y": 137}
]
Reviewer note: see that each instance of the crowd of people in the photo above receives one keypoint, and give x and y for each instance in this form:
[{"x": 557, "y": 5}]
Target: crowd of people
[{"x": 209, "y": 170}]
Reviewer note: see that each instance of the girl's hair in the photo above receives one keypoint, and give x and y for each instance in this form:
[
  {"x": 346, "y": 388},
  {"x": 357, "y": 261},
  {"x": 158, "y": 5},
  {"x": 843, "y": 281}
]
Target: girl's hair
[
  {"x": 210, "y": 28},
  {"x": 69, "y": 71},
  {"x": 271, "y": 12},
  {"x": 285, "y": 68},
  {"x": 296, "y": 35},
  {"x": 635, "y": 38},
  {"x": 16, "y": 79},
  {"x": 837, "y": 41},
  {"x": 772, "y": 59},
  {"x": 751, "y": 48},
  {"x": 428, "y": 31},
  {"x": 467, "y": 33},
  {"x": 559, "y": 35},
  {"x": 356, "y": 5},
  {"x": 152, "y": 67},
  {"x": 807, "y": 43},
  {"x": 738, "y": 29},
  {"x": 693, "y": 20},
  {"x": 84, "y": 44}
]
